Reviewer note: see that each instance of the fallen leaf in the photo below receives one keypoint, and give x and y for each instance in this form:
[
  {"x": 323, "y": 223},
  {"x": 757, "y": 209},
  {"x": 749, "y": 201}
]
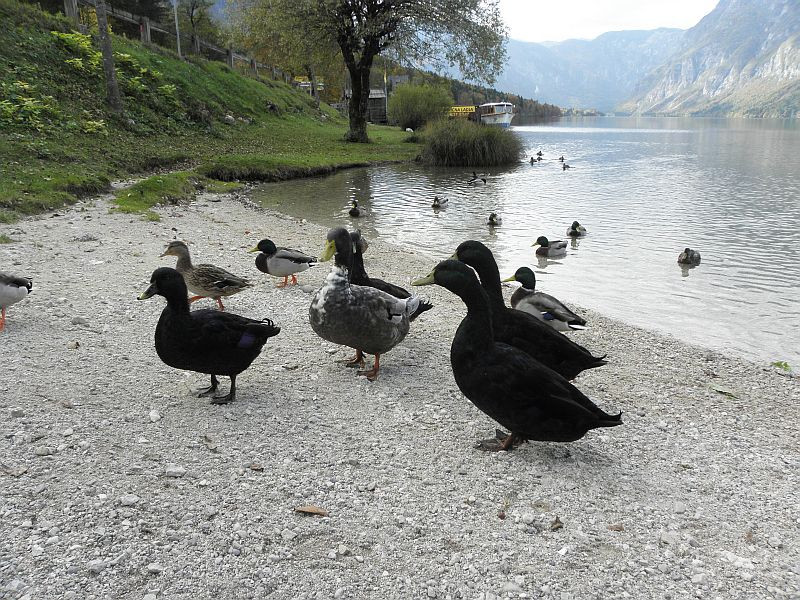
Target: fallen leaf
[
  {"x": 501, "y": 514},
  {"x": 556, "y": 525},
  {"x": 724, "y": 392},
  {"x": 255, "y": 466},
  {"x": 616, "y": 527},
  {"x": 310, "y": 509}
]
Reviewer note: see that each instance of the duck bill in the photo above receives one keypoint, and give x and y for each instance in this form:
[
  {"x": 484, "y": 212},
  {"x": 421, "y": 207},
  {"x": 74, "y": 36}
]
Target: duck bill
[
  {"x": 427, "y": 280},
  {"x": 535, "y": 244},
  {"x": 163, "y": 255},
  {"x": 255, "y": 249},
  {"x": 507, "y": 279},
  {"x": 328, "y": 252},
  {"x": 148, "y": 293}
]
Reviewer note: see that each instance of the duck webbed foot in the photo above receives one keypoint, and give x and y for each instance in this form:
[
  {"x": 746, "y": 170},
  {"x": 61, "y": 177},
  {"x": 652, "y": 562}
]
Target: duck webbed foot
[
  {"x": 283, "y": 285},
  {"x": 229, "y": 397},
  {"x": 356, "y": 361},
  {"x": 500, "y": 441},
  {"x": 209, "y": 391},
  {"x": 372, "y": 374}
]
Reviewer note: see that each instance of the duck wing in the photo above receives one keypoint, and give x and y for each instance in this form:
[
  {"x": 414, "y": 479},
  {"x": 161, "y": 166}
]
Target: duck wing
[
  {"x": 528, "y": 398},
  {"x": 294, "y": 256},
  {"x": 212, "y": 276},
  {"x": 10, "y": 280},
  {"x": 549, "y": 304},
  {"x": 226, "y": 331}
]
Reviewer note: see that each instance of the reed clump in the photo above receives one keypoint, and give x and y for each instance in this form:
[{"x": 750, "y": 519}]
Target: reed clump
[{"x": 460, "y": 143}]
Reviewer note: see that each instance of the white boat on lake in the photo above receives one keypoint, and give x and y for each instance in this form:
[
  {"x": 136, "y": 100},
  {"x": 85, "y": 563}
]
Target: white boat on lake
[{"x": 497, "y": 113}]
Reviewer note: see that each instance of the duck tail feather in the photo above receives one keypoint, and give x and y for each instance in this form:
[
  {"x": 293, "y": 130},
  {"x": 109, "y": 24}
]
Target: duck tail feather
[
  {"x": 423, "y": 306},
  {"x": 610, "y": 420}
]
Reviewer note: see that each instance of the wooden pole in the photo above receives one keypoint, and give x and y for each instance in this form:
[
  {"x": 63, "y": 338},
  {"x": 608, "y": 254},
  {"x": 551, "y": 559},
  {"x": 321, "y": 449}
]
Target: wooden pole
[
  {"x": 177, "y": 29},
  {"x": 230, "y": 57},
  {"x": 112, "y": 89},
  {"x": 144, "y": 30}
]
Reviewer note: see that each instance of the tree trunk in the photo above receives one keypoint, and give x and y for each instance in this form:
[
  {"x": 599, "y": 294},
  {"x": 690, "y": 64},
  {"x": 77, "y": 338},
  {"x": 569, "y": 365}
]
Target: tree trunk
[
  {"x": 359, "y": 104},
  {"x": 312, "y": 77},
  {"x": 112, "y": 89}
]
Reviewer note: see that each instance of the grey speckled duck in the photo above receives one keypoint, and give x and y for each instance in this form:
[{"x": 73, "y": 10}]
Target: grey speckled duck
[{"x": 363, "y": 318}]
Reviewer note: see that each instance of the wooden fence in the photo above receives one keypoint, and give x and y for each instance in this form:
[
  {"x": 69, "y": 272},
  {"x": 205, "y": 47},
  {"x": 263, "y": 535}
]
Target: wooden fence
[{"x": 148, "y": 26}]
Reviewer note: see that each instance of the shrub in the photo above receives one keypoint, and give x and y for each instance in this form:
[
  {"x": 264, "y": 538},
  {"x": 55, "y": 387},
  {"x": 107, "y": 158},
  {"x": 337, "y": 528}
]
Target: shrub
[
  {"x": 461, "y": 143},
  {"x": 415, "y": 105}
]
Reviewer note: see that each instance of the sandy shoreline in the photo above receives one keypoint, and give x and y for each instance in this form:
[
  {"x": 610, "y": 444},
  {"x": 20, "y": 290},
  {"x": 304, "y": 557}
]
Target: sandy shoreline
[{"x": 695, "y": 496}]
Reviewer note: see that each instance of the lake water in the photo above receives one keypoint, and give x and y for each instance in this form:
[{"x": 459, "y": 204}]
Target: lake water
[{"x": 645, "y": 188}]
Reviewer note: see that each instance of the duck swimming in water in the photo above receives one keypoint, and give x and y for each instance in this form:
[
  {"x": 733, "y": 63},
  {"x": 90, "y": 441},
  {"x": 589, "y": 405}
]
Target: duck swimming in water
[
  {"x": 354, "y": 211},
  {"x": 204, "y": 341},
  {"x": 543, "y": 306},
  {"x": 281, "y": 262},
  {"x": 576, "y": 230},
  {"x": 524, "y": 396},
  {"x": 439, "y": 202},
  {"x": 13, "y": 289},
  {"x": 548, "y": 248},
  {"x": 519, "y": 329},
  {"x": 494, "y": 220},
  {"x": 689, "y": 257},
  {"x": 477, "y": 179}
]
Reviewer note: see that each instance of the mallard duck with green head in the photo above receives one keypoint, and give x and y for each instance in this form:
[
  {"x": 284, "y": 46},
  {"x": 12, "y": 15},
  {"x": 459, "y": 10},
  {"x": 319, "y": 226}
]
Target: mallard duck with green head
[
  {"x": 543, "y": 306},
  {"x": 204, "y": 280},
  {"x": 281, "y": 262},
  {"x": 524, "y": 396},
  {"x": 548, "y": 248},
  {"x": 363, "y": 318},
  {"x": 576, "y": 230}
]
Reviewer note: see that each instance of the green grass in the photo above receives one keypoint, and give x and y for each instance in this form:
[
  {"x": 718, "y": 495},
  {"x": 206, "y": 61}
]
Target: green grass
[
  {"x": 169, "y": 188},
  {"x": 59, "y": 142},
  {"x": 4, "y": 239},
  {"x": 461, "y": 143}
]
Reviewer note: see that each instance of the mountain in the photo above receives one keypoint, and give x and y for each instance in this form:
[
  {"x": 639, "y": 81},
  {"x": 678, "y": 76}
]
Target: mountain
[
  {"x": 598, "y": 73},
  {"x": 743, "y": 58}
]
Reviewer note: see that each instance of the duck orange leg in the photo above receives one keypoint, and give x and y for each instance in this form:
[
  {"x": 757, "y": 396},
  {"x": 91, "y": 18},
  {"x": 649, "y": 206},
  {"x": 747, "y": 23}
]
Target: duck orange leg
[
  {"x": 219, "y": 303},
  {"x": 294, "y": 279},
  {"x": 3, "y": 319},
  {"x": 195, "y": 298},
  {"x": 356, "y": 361},
  {"x": 372, "y": 374},
  {"x": 285, "y": 281}
]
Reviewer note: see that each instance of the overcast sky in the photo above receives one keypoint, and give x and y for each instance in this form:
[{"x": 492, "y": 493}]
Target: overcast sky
[{"x": 546, "y": 20}]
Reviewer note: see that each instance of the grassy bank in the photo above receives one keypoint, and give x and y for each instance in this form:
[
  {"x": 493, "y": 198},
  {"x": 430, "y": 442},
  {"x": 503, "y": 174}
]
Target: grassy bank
[{"x": 58, "y": 141}]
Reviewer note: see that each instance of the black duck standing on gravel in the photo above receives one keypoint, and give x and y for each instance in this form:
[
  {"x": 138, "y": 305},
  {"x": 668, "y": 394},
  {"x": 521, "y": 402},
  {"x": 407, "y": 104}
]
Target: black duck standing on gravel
[
  {"x": 281, "y": 262},
  {"x": 519, "y": 329},
  {"x": 363, "y": 318},
  {"x": 205, "y": 341},
  {"x": 13, "y": 289},
  {"x": 358, "y": 276},
  {"x": 517, "y": 391}
]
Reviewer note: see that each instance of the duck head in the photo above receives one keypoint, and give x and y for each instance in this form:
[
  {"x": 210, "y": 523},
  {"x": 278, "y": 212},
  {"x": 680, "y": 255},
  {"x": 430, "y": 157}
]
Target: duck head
[
  {"x": 166, "y": 282},
  {"x": 266, "y": 246},
  {"x": 525, "y": 276},
  {"x": 360, "y": 243},
  {"x": 176, "y": 248},
  {"x": 338, "y": 244},
  {"x": 542, "y": 241},
  {"x": 575, "y": 226}
]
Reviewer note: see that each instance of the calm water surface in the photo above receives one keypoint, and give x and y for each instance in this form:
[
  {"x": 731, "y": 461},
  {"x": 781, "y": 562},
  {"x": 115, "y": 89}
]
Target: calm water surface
[{"x": 645, "y": 188}]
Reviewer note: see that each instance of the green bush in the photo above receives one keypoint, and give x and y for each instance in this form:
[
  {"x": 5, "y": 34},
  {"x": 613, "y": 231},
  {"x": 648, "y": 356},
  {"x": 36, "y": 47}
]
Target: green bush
[
  {"x": 412, "y": 106},
  {"x": 462, "y": 143}
]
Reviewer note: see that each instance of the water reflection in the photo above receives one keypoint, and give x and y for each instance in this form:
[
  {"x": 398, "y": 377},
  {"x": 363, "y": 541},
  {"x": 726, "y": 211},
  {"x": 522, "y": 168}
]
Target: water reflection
[{"x": 645, "y": 189}]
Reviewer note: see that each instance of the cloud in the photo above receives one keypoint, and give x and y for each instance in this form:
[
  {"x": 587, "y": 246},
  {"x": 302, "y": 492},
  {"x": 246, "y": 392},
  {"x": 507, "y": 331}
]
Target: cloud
[{"x": 537, "y": 20}]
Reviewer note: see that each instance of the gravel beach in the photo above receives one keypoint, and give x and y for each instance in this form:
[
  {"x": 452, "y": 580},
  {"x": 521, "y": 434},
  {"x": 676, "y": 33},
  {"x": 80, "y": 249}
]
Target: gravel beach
[{"x": 116, "y": 482}]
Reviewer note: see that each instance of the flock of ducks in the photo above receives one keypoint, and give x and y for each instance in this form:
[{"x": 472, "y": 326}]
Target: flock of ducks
[{"x": 511, "y": 362}]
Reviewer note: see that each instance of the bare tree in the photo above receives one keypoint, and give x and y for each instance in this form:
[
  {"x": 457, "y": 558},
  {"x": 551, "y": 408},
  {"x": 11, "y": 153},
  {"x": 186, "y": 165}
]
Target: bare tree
[{"x": 112, "y": 88}]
